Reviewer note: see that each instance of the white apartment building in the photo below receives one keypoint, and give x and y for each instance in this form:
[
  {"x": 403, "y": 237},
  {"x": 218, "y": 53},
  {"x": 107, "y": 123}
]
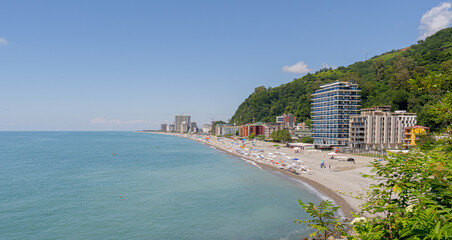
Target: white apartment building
[{"x": 378, "y": 128}]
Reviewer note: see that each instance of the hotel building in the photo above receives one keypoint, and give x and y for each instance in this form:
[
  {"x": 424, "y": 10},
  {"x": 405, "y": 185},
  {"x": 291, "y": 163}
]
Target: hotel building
[
  {"x": 378, "y": 128},
  {"x": 179, "y": 119},
  {"x": 332, "y": 106}
]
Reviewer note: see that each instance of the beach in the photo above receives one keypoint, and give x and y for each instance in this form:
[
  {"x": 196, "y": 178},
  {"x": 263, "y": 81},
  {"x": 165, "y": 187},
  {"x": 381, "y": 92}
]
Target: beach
[{"x": 339, "y": 180}]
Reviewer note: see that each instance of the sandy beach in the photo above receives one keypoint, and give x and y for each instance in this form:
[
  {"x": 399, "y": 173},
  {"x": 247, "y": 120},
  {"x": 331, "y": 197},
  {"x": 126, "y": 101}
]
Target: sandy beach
[{"x": 339, "y": 180}]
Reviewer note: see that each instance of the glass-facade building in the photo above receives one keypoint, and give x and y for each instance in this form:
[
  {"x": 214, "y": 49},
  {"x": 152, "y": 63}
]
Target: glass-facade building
[{"x": 332, "y": 106}]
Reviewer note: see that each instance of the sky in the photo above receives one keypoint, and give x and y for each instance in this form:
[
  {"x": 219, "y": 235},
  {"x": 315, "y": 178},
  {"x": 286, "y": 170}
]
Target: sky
[{"x": 131, "y": 65}]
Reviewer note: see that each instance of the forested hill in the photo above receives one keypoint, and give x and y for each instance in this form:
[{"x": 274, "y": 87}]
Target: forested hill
[{"x": 383, "y": 79}]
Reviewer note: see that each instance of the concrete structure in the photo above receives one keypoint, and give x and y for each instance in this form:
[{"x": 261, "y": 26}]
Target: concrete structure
[
  {"x": 171, "y": 127},
  {"x": 301, "y": 133},
  {"x": 193, "y": 127},
  {"x": 301, "y": 126},
  {"x": 410, "y": 135},
  {"x": 179, "y": 119},
  {"x": 332, "y": 106},
  {"x": 288, "y": 120},
  {"x": 257, "y": 129},
  {"x": 378, "y": 128},
  {"x": 206, "y": 128},
  {"x": 183, "y": 127},
  {"x": 164, "y": 127},
  {"x": 225, "y": 129}
]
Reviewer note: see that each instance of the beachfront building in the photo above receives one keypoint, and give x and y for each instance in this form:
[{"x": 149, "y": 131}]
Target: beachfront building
[
  {"x": 410, "y": 135},
  {"x": 332, "y": 106},
  {"x": 379, "y": 128},
  {"x": 206, "y": 128},
  {"x": 193, "y": 127},
  {"x": 179, "y": 119},
  {"x": 163, "y": 127},
  {"x": 183, "y": 127},
  {"x": 288, "y": 120},
  {"x": 226, "y": 129},
  {"x": 171, "y": 127},
  {"x": 256, "y": 128}
]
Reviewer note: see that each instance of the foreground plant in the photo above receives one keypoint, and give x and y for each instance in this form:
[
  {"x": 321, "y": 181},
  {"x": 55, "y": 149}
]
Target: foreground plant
[
  {"x": 324, "y": 220},
  {"x": 412, "y": 197}
]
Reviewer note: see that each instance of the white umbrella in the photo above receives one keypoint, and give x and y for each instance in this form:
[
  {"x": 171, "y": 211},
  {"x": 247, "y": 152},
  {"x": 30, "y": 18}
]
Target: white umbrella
[{"x": 332, "y": 153}]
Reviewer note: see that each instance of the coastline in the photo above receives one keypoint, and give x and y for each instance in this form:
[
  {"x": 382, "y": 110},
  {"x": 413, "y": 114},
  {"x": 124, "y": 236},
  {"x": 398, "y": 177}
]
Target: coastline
[{"x": 341, "y": 178}]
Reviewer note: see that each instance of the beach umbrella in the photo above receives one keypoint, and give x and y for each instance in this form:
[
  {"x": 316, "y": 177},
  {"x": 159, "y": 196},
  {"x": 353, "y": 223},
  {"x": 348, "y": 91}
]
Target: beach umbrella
[
  {"x": 295, "y": 159},
  {"x": 332, "y": 153}
]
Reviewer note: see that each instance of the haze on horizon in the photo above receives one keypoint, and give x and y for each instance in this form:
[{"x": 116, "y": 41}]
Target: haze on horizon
[{"x": 114, "y": 65}]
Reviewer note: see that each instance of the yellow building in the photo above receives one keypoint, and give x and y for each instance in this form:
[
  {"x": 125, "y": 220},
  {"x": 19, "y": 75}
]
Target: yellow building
[{"x": 410, "y": 134}]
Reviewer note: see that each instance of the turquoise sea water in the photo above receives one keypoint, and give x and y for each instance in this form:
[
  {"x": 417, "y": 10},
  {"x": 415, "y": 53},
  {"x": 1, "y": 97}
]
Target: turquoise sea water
[{"x": 69, "y": 185}]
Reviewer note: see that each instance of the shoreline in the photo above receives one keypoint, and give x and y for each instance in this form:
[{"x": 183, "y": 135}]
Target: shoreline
[
  {"x": 323, "y": 190},
  {"x": 319, "y": 180}
]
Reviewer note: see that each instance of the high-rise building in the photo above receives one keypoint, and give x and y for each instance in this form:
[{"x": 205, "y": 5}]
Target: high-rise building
[
  {"x": 183, "y": 127},
  {"x": 179, "y": 119},
  {"x": 171, "y": 127},
  {"x": 379, "y": 128},
  {"x": 163, "y": 127},
  {"x": 193, "y": 127},
  {"x": 332, "y": 106}
]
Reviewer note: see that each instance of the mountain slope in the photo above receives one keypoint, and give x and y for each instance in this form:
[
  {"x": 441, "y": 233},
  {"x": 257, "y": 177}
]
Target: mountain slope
[{"x": 383, "y": 80}]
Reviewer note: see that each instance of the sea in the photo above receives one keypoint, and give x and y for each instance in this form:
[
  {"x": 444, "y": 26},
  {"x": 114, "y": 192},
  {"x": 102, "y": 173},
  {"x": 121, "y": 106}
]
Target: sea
[{"x": 128, "y": 185}]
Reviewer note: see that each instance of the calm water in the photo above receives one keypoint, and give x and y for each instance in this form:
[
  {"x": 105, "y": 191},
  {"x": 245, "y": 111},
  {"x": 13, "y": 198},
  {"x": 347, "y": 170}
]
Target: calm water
[{"x": 68, "y": 185}]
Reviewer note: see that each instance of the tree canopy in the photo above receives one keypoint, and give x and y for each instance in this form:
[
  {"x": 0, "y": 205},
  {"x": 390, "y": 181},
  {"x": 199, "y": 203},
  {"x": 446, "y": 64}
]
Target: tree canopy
[{"x": 383, "y": 80}]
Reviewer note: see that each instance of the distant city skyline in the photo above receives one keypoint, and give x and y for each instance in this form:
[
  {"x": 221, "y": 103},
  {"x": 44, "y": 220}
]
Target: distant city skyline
[{"x": 114, "y": 65}]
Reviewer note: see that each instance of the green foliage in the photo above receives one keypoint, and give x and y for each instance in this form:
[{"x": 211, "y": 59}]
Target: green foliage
[
  {"x": 251, "y": 136},
  {"x": 413, "y": 196},
  {"x": 307, "y": 139},
  {"x": 383, "y": 81},
  {"x": 261, "y": 137},
  {"x": 323, "y": 220},
  {"x": 281, "y": 136}
]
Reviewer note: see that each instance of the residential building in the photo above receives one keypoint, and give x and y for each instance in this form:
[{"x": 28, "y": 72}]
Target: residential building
[
  {"x": 193, "y": 127},
  {"x": 379, "y": 128},
  {"x": 181, "y": 118},
  {"x": 206, "y": 128},
  {"x": 332, "y": 106},
  {"x": 301, "y": 126},
  {"x": 171, "y": 127},
  {"x": 288, "y": 120},
  {"x": 163, "y": 127},
  {"x": 256, "y": 128},
  {"x": 410, "y": 135},
  {"x": 183, "y": 127},
  {"x": 225, "y": 129}
]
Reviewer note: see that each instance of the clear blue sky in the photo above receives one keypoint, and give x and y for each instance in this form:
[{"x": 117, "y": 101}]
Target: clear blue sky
[{"x": 127, "y": 65}]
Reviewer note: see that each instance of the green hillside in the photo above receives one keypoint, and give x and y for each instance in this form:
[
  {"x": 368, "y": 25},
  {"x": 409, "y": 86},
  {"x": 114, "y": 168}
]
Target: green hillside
[{"x": 383, "y": 79}]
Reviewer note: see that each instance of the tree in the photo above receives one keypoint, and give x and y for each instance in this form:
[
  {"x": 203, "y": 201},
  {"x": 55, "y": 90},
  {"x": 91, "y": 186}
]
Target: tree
[
  {"x": 281, "y": 136},
  {"x": 252, "y": 136},
  {"x": 307, "y": 139},
  {"x": 323, "y": 220}
]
